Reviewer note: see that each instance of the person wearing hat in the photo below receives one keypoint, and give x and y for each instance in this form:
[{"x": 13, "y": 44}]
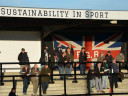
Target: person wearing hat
[
  {"x": 109, "y": 57},
  {"x": 120, "y": 57},
  {"x": 45, "y": 79},
  {"x": 82, "y": 60},
  {"x": 23, "y": 59}
]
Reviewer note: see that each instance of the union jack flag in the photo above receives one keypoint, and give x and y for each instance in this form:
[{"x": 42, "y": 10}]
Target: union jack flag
[{"x": 94, "y": 44}]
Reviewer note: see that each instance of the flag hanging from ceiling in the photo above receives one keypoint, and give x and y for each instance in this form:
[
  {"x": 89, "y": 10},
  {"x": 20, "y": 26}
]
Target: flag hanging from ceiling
[{"x": 94, "y": 44}]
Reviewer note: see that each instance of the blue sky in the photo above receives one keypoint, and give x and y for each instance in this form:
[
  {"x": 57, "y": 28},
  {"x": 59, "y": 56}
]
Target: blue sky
[{"x": 69, "y": 4}]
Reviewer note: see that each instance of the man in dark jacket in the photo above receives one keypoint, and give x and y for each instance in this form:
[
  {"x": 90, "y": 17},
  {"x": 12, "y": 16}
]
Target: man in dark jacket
[
  {"x": 23, "y": 59},
  {"x": 45, "y": 80},
  {"x": 62, "y": 61},
  {"x": 115, "y": 71},
  {"x": 70, "y": 47},
  {"x": 90, "y": 78},
  {"x": 98, "y": 70},
  {"x": 105, "y": 67},
  {"x": 58, "y": 52},
  {"x": 109, "y": 57},
  {"x": 82, "y": 60},
  {"x": 44, "y": 57}
]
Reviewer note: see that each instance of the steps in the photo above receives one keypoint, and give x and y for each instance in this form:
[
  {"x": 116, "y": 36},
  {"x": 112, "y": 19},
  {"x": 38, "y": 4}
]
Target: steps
[{"x": 58, "y": 87}]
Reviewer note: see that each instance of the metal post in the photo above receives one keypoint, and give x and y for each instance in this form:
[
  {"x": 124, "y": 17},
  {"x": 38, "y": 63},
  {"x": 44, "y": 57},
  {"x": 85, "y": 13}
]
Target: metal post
[
  {"x": 112, "y": 83},
  {"x": 51, "y": 76},
  {"x": 14, "y": 83},
  {"x": 39, "y": 85},
  {"x": 119, "y": 67},
  {"x": 65, "y": 86},
  {"x": 75, "y": 81},
  {"x": 88, "y": 85},
  {"x": 1, "y": 81}
]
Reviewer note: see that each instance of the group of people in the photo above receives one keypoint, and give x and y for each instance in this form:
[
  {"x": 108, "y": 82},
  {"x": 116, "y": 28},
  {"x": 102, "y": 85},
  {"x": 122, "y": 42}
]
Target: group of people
[
  {"x": 64, "y": 61},
  {"x": 98, "y": 76},
  {"x": 26, "y": 70}
]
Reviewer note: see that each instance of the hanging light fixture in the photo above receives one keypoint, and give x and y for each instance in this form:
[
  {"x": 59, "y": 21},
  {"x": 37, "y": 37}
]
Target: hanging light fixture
[{"x": 113, "y": 22}]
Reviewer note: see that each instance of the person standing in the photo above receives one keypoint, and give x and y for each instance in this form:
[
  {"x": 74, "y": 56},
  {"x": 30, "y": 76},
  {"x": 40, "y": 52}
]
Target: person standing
[
  {"x": 72, "y": 51},
  {"x": 82, "y": 60},
  {"x": 105, "y": 67},
  {"x": 58, "y": 52},
  {"x": 114, "y": 70},
  {"x": 120, "y": 58},
  {"x": 101, "y": 57},
  {"x": 109, "y": 57},
  {"x": 23, "y": 59},
  {"x": 62, "y": 61},
  {"x": 44, "y": 57},
  {"x": 45, "y": 79},
  {"x": 35, "y": 80},
  {"x": 98, "y": 70},
  {"x": 90, "y": 77},
  {"x": 70, "y": 47},
  {"x": 25, "y": 72},
  {"x": 69, "y": 59}
]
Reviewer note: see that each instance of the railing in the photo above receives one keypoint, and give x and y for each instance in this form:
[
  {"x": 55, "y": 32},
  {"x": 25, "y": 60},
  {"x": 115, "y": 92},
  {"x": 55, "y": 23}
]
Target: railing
[{"x": 52, "y": 80}]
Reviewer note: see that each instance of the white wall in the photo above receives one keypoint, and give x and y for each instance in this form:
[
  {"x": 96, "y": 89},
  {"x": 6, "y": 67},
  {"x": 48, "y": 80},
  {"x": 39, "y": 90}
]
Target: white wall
[{"x": 11, "y": 43}]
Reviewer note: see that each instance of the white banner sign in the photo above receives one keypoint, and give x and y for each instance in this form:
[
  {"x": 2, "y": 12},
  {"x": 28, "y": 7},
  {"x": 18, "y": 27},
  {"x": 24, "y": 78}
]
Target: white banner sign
[{"x": 62, "y": 13}]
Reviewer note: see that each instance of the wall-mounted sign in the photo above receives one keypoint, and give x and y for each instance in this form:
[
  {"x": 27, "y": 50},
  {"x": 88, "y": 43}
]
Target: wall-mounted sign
[{"x": 62, "y": 13}]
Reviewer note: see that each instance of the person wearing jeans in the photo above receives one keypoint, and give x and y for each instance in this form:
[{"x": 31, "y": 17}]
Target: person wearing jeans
[
  {"x": 61, "y": 64},
  {"x": 82, "y": 60},
  {"x": 69, "y": 59},
  {"x": 45, "y": 86},
  {"x": 25, "y": 72},
  {"x": 90, "y": 78},
  {"x": 23, "y": 59},
  {"x": 45, "y": 79},
  {"x": 98, "y": 70},
  {"x": 105, "y": 67}
]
